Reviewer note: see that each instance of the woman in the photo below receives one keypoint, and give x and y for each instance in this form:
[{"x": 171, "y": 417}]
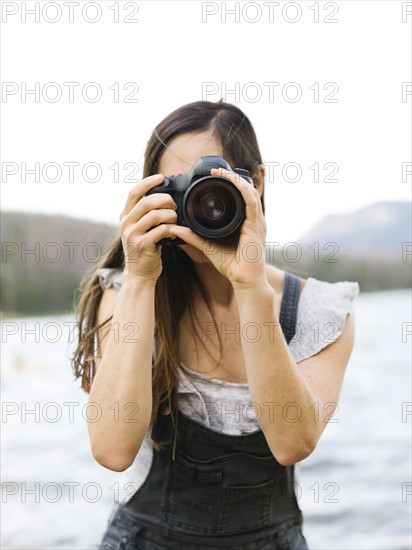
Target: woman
[{"x": 211, "y": 382}]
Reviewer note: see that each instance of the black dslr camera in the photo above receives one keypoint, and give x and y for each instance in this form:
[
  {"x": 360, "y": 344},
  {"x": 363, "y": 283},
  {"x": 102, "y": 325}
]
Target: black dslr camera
[{"x": 209, "y": 205}]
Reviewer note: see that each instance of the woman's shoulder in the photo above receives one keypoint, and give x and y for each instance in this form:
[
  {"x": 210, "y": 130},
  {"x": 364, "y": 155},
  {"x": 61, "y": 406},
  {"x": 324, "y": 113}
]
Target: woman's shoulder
[
  {"x": 321, "y": 312},
  {"x": 321, "y": 316}
]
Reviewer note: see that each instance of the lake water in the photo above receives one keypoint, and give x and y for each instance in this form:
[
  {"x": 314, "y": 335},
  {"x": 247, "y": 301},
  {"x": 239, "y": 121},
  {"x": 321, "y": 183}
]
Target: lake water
[{"x": 355, "y": 490}]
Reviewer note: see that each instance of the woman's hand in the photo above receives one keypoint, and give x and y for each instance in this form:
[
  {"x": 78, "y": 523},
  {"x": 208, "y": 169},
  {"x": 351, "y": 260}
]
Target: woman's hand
[
  {"x": 244, "y": 266},
  {"x": 143, "y": 222}
]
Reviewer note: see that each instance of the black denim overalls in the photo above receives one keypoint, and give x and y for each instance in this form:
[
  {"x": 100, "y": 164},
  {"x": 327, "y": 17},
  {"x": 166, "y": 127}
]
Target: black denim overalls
[{"x": 221, "y": 491}]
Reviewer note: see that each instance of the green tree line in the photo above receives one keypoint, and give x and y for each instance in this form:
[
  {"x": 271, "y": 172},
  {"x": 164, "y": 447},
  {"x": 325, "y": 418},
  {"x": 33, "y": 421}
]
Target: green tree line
[{"x": 45, "y": 258}]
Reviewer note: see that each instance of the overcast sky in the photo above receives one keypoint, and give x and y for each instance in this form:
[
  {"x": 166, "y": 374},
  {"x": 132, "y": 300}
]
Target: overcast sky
[{"x": 324, "y": 83}]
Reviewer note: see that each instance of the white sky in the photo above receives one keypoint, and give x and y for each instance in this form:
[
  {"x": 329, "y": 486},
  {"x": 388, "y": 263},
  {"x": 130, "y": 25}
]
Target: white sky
[{"x": 170, "y": 53}]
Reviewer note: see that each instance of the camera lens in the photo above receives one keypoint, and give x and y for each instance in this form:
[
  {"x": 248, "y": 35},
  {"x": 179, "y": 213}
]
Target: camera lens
[{"x": 213, "y": 207}]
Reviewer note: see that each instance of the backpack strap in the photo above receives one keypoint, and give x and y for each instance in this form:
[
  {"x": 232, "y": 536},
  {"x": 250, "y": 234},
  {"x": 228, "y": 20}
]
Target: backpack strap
[{"x": 289, "y": 306}]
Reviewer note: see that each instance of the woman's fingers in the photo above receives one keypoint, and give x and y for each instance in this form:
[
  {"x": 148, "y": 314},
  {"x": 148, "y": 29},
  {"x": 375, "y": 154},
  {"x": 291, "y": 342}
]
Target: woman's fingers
[
  {"x": 249, "y": 193},
  {"x": 144, "y": 221},
  {"x": 247, "y": 190},
  {"x": 139, "y": 190},
  {"x": 188, "y": 236},
  {"x": 159, "y": 232},
  {"x": 147, "y": 204},
  {"x": 152, "y": 219}
]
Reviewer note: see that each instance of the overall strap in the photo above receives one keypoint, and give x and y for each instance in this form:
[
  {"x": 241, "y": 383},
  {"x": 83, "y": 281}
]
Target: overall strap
[{"x": 289, "y": 307}]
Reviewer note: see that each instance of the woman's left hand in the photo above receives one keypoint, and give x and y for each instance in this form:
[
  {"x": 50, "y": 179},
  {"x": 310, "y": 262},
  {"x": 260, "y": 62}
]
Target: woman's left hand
[{"x": 244, "y": 266}]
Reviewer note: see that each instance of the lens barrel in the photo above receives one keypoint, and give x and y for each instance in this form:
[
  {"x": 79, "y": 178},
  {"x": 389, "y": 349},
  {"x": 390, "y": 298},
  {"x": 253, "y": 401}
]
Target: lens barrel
[{"x": 213, "y": 207}]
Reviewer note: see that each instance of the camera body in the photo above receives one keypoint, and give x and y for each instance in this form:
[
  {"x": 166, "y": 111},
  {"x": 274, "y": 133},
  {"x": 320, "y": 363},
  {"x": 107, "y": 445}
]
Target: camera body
[{"x": 209, "y": 205}]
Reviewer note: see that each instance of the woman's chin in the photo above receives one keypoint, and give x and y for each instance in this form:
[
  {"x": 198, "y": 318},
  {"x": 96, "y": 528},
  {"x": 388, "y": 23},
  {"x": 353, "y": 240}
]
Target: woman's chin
[{"x": 194, "y": 254}]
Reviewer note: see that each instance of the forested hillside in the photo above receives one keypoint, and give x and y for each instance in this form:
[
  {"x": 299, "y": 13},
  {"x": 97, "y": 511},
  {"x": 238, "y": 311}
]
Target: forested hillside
[{"x": 44, "y": 259}]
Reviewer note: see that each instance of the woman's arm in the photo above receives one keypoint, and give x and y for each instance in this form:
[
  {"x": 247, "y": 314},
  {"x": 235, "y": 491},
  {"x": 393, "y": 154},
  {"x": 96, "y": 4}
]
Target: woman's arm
[
  {"x": 122, "y": 385},
  {"x": 288, "y": 395},
  {"x": 279, "y": 387}
]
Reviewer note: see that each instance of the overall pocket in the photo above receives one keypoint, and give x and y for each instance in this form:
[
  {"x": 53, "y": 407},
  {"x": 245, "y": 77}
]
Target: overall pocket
[
  {"x": 246, "y": 507},
  {"x": 193, "y": 495}
]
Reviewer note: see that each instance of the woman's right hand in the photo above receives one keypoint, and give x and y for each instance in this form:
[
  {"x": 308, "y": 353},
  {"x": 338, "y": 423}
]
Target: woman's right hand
[{"x": 143, "y": 222}]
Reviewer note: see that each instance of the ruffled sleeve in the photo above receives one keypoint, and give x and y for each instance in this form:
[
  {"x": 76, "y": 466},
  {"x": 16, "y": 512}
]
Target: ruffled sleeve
[
  {"x": 110, "y": 277},
  {"x": 321, "y": 315}
]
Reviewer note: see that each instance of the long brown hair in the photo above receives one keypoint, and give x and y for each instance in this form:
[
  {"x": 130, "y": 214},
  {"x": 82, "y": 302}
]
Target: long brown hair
[{"x": 173, "y": 295}]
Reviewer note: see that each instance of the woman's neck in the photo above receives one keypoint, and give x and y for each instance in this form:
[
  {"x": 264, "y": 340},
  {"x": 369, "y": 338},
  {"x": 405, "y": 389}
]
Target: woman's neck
[{"x": 219, "y": 288}]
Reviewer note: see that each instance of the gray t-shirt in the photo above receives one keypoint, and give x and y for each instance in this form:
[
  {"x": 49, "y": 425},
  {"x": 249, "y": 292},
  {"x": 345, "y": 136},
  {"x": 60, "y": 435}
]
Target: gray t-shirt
[{"x": 226, "y": 406}]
